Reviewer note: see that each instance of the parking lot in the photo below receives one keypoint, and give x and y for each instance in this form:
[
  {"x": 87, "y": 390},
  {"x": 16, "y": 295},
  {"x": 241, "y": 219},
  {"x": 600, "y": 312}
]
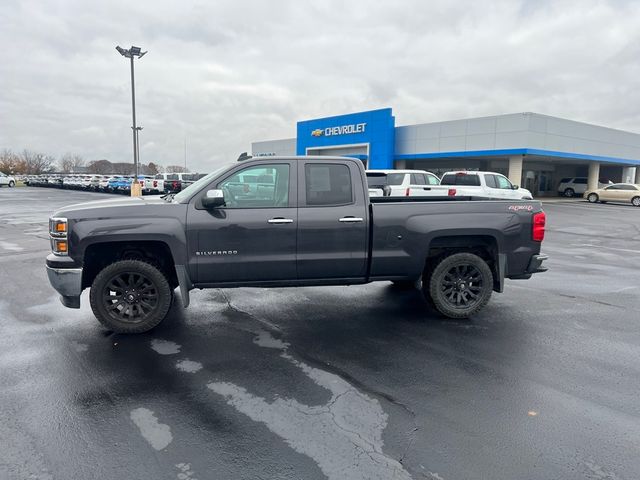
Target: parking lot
[{"x": 355, "y": 382}]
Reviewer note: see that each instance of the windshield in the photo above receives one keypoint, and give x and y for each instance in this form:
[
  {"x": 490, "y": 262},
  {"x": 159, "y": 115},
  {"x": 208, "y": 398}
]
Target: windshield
[{"x": 194, "y": 187}]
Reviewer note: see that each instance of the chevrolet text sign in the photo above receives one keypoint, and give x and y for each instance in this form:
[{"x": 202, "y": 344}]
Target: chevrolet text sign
[
  {"x": 342, "y": 130},
  {"x": 374, "y": 128}
]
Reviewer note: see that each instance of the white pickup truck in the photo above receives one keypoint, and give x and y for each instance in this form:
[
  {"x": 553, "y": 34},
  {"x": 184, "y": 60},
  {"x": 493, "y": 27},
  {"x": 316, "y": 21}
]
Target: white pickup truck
[
  {"x": 404, "y": 183},
  {"x": 483, "y": 184}
]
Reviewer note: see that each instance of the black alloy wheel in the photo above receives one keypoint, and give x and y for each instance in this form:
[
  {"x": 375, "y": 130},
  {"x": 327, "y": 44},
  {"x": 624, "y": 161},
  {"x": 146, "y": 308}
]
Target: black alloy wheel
[
  {"x": 130, "y": 296},
  {"x": 460, "y": 285}
]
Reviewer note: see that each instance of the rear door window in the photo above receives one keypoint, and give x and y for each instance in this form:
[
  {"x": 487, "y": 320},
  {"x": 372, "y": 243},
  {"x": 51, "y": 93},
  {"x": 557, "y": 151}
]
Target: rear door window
[
  {"x": 490, "y": 180},
  {"x": 418, "y": 179},
  {"x": 328, "y": 185}
]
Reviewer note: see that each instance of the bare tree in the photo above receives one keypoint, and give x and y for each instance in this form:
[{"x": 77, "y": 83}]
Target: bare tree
[
  {"x": 176, "y": 169},
  {"x": 36, "y": 163},
  {"x": 101, "y": 167},
  {"x": 71, "y": 162},
  {"x": 153, "y": 168},
  {"x": 10, "y": 162}
]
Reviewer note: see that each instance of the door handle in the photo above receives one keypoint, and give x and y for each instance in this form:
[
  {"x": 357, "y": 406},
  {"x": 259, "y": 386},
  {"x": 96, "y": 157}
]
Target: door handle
[
  {"x": 351, "y": 220},
  {"x": 280, "y": 220}
]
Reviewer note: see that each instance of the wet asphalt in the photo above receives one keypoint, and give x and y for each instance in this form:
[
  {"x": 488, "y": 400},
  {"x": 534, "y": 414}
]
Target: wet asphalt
[{"x": 331, "y": 382}]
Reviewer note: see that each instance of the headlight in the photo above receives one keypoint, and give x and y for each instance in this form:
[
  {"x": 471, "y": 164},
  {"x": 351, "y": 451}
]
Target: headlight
[{"x": 58, "y": 231}]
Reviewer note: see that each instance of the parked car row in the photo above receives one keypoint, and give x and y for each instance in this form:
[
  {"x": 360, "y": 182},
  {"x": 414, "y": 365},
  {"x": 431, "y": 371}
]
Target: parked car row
[
  {"x": 151, "y": 184},
  {"x": 419, "y": 183}
]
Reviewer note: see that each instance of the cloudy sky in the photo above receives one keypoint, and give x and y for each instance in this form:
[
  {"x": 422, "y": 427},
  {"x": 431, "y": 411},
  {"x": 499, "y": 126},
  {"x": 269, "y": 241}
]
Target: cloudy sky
[{"x": 222, "y": 74}]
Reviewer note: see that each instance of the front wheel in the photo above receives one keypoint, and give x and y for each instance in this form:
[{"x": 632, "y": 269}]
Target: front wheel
[
  {"x": 12, "y": 184},
  {"x": 593, "y": 197},
  {"x": 130, "y": 296},
  {"x": 459, "y": 286}
]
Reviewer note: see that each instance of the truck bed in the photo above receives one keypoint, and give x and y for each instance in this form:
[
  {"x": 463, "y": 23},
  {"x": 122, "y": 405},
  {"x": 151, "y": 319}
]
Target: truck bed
[{"x": 404, "y": 228}]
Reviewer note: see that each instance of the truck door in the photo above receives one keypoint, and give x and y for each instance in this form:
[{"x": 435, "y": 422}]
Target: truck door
[
  {"x": 332, "y": 220},
  {"x": 252, "y": 237}
]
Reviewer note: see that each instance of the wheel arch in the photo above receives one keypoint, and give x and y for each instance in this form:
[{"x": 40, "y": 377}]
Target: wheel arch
[
  {"x": 483, "y": 245},
  {"x": 101, "y": 254}
]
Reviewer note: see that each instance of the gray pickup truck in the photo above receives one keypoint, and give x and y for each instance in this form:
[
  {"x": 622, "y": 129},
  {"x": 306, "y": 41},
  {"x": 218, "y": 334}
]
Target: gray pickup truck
[{"x": 285, "y": 222}]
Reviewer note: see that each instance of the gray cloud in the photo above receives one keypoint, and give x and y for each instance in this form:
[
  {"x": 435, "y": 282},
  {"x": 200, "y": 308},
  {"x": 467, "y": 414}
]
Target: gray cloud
[{"x": 223, "y": 74}]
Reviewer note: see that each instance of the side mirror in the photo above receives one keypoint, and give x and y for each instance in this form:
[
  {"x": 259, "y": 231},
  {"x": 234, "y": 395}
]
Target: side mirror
[
  {"x": 515, "y": 187},
  {"x": 213, "y": 199}
]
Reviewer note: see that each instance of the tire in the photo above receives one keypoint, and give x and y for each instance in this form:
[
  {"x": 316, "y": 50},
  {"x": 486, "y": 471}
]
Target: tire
[
  {"x": 455, "y": 281},
  {"x": 635, "y": 201},
  {"x": 12, "y": 184},
  {"x": 593, "y": 198},
  {"x": 569, "y": 192},
  {"x": 143, "y": 309}
]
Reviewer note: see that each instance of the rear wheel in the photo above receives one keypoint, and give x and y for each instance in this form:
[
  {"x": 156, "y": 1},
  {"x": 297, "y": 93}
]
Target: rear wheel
[
  {"x": 130, "y": 296},
  {"x": 593, "y": 197},
  {"x": 459, "y": 286},
  {"x": 635, "y": 201},
  {"x": 12, "y": 184},
  {"x": 569, "y": 192}
]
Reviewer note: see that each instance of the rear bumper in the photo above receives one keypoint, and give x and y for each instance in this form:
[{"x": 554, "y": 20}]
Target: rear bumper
[
  {"x": 68, "y": 283},
  {"x": 535, "y": 266}
]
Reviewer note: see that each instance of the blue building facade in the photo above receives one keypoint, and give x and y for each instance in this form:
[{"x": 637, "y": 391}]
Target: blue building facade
[{"x": 369, "y": 136}]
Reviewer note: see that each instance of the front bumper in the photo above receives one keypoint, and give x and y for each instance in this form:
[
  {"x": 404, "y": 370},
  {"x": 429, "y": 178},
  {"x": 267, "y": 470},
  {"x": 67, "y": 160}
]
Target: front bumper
[{"x": 68, "y": 283}]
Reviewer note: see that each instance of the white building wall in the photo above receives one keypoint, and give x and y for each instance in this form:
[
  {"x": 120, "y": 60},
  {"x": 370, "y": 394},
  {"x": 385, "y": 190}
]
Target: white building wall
[
  {"x": 519, "y": 130},
  {"x": 284, "y": 147}
]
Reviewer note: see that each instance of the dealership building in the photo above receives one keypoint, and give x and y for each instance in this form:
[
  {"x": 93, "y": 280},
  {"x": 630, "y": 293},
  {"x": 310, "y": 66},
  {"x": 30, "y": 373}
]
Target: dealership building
[{"x": 535, "y": 151}]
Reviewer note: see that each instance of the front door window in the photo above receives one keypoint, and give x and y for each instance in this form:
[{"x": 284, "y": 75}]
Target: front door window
[{"x": 263, "y": 186}]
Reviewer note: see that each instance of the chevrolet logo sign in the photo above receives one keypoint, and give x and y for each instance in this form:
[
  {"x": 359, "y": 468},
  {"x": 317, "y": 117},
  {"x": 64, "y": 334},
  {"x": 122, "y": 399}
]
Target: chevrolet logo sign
[{"x": 317, "y": 132}]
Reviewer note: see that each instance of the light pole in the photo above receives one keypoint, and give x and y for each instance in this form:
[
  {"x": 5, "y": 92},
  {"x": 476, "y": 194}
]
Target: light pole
[{"x": 136, "y": 190}]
